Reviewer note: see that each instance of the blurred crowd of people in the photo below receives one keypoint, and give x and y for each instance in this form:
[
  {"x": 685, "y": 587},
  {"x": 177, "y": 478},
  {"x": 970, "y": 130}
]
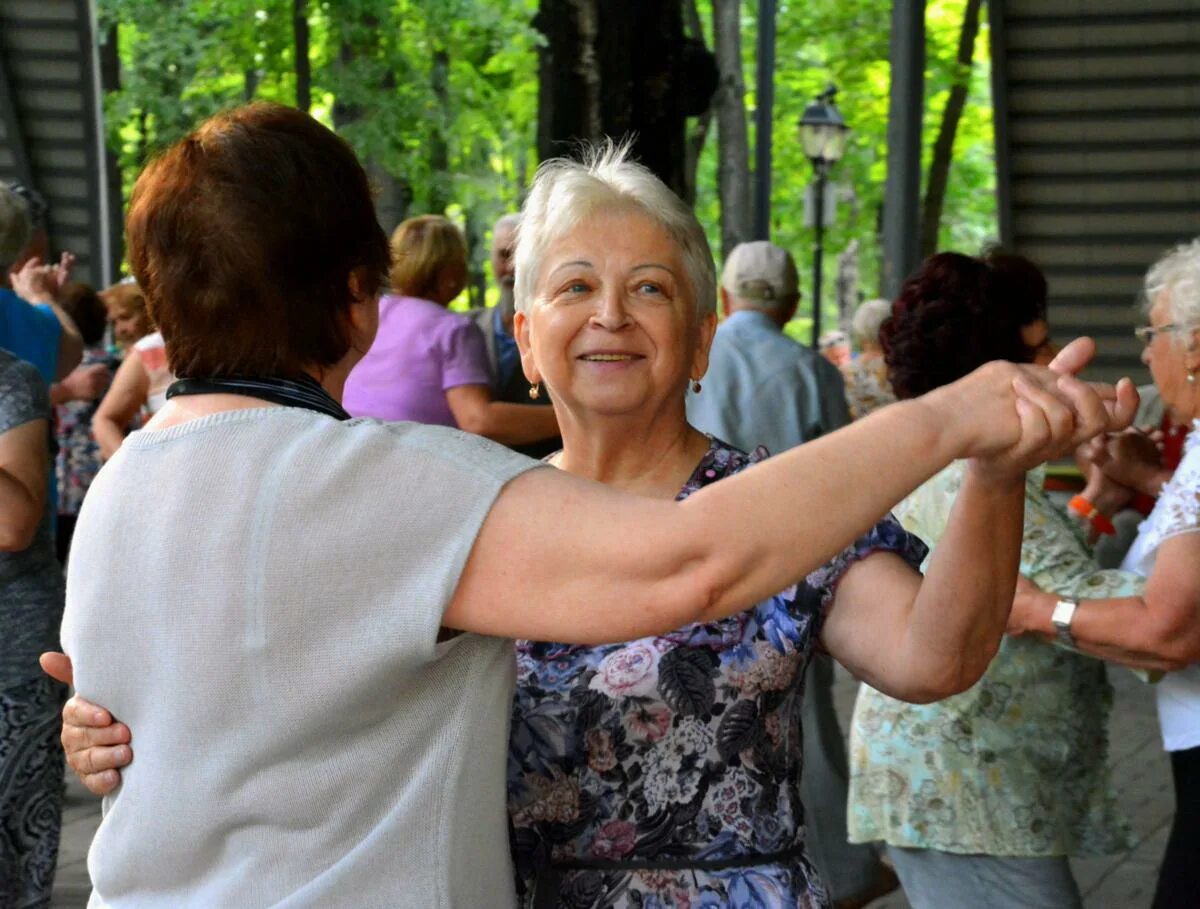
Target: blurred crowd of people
[{"x": 295, "y": 552}]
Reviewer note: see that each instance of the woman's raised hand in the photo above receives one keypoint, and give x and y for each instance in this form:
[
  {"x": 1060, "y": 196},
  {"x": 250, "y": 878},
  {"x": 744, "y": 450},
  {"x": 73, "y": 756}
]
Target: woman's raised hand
[
  {"x": 1014, "y": 417},
  {"x": 97, "y": 747}
]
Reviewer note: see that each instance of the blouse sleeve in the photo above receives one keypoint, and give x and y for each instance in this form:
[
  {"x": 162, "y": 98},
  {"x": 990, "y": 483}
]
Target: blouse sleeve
[
  {"x": 1178, "y": 509},
  {"x": 888, "y": 535},
  {"x": 24, "y": 396},
  {"x": 465, "y": 360}
]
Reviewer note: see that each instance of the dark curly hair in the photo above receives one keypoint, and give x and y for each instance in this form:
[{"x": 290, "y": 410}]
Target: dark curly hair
[{"x": 952, "y": 316}]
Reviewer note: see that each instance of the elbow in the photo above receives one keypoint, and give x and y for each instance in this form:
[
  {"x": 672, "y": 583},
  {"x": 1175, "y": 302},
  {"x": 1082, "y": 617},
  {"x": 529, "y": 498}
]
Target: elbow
[
  {"x": 475, "y": 421},
  {"x": 952, "y": 676},
  {"x": 1175, "y": 639},
  {"x": 17, "y": 533}
]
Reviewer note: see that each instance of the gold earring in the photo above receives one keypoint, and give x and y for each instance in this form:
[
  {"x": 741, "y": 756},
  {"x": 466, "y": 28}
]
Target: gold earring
[
  {"x": 696, "y": 386},
  {"x": 534, "y": 391}
]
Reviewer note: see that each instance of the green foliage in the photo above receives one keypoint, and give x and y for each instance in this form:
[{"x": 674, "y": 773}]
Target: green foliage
[
  {"x": 847, "y": 42},
  {"x": 373, "y": 75}
]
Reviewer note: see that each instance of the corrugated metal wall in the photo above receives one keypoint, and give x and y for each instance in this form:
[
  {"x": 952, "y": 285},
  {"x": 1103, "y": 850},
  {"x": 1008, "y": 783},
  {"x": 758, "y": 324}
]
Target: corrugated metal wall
[
  {"x": 50, "y": 135},
  {"x": 1098, "y": 151}
]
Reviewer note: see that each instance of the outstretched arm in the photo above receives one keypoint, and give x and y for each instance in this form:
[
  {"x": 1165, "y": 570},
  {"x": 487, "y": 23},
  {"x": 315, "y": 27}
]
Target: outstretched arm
[{"x": 596, "y": 565}]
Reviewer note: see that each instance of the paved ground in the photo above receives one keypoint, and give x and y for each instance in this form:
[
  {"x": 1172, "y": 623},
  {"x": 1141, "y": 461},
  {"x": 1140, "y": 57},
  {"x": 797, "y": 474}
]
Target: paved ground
[{"x": 1117, "y": 882}]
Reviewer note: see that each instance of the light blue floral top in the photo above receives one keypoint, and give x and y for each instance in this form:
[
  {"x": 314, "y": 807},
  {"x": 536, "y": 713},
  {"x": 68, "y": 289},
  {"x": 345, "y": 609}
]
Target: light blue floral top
[
  {"x": 1018, "y": 764},
  {"x": 665, "y": 771}
]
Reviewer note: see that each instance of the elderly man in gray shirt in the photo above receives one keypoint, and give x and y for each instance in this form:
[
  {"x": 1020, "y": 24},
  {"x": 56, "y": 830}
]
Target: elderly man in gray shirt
[{"x": 763, "y": 388}]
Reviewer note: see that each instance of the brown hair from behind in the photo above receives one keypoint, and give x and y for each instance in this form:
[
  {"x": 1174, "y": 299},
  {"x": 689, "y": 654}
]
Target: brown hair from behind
[
  {"x": 243, "y": 236},
  {"x": 422, "y": 248},
  {"x": 81, "y": 302}
]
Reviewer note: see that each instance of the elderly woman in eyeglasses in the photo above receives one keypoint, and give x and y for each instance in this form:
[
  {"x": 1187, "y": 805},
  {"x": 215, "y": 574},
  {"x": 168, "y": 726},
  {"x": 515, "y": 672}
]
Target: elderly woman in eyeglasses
[{"x": 1161, "y": 628}]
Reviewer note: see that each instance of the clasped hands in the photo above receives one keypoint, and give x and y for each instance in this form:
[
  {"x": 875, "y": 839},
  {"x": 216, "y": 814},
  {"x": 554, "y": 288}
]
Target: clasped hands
[{"x": 1014, "y": 417}]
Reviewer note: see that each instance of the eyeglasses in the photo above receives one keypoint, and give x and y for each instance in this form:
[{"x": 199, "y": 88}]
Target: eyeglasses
[{"x": 1146, "y": 333}]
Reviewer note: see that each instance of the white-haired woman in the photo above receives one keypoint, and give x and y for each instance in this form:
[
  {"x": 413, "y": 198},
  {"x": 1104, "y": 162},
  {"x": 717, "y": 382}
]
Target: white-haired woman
[
  {"x": 1161, "y": 628},
  {"x": 867, "y": 386},
  {"x": 664, "y": 767}
]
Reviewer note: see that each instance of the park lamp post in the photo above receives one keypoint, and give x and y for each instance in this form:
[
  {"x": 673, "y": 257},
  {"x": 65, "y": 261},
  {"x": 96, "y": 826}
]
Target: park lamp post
[{"x": 823, "y": 134}]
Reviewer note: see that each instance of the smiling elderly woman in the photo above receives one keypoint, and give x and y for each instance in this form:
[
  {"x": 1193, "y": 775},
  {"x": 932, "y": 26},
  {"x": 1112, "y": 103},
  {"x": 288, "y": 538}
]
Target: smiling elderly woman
[{"x": 288, "y": 594}]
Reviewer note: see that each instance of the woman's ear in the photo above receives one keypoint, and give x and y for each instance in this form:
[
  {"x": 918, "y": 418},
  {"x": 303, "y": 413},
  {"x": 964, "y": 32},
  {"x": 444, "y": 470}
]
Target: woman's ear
[
  {"x": 1191, "y": 353},
  {"x": 363, "y": 312},
  {"x": 706, "y": 332},
  {"x": 521, "y": 332}
]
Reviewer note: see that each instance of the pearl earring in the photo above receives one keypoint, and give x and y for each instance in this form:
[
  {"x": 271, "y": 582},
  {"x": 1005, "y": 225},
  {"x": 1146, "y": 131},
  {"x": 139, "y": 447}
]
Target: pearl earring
[{"x": 535, "y": 391}]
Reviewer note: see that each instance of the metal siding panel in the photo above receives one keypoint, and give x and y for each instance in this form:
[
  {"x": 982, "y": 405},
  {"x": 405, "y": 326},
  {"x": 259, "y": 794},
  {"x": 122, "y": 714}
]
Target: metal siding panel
[
  {"x": 1070, "y": 35},
  {"x": 1176, "y": 63},
  {"x": 1102, "y": 131}
]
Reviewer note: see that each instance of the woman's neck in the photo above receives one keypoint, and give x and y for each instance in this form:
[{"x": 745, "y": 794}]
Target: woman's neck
[
  {"x": 193, "y": 407},
  {"x": 649, "y": 457}
]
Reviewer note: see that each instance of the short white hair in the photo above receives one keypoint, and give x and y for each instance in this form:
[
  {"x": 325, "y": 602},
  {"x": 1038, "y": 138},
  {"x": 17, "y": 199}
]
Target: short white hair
[
  {"x": 511, "y": 220},
  {"x": 566, "y": 192},
  {"x": 16, "y": 226},
  {"x": 1177, "y": 276},
  {"x": 868, "y": 319}
]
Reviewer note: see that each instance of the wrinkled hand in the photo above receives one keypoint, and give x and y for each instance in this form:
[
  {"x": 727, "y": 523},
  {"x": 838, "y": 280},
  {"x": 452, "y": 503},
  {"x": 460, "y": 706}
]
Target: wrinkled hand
[
  {"x": 1018, "y": 416},
  {"x": 1130, "y": 457},
  {"x": 35, "y": 282},
  {"x": 87, "y": 383},
  {"x": 97, "y": 747}
]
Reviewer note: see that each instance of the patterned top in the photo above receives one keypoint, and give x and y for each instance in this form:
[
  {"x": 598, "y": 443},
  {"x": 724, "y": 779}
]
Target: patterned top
[
  {"x": 31, "y": 582},
  {"x": 683, "y": 748},
  {"x": 1176, "y": 512},
  {"x": 1018, "y": 764},
  {"x": 867, "y": 385},
  {"x": 78, "y": 458}
]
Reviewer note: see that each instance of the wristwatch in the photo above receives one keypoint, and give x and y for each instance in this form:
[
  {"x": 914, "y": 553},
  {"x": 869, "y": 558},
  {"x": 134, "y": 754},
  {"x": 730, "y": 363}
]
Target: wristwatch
[{"x": 1064, "y": 612}]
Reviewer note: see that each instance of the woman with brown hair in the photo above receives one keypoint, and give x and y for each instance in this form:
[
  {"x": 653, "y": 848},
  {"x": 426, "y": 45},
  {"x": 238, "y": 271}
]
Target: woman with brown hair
[
  {"x": 331, "y": 602},
  {"x": 428, "y": 364}
]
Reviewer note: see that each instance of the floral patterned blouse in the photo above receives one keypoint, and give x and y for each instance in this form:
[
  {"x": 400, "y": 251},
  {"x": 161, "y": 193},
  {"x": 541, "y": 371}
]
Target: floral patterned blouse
[
  {"x": 78, "y": 459},
  {"x": 670, "y": 766},
  {"x": 867, "y": 385},
  {"x": 1018, "y": 764}
]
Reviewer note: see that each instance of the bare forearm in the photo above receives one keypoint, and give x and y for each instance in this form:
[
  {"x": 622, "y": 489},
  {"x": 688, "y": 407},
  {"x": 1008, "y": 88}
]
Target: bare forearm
[
  {"x": 517, "y": 424},
  {"x": 21, "y": 513},
  {"x": 109, "y": 435},
  {"x": 961, "y": 609},
  {"x": 1124, "y": 630},
  {"x": 792, "y": 513}
]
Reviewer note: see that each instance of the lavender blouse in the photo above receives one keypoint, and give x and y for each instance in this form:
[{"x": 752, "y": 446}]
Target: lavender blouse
[{"x": 421, "y": 350}]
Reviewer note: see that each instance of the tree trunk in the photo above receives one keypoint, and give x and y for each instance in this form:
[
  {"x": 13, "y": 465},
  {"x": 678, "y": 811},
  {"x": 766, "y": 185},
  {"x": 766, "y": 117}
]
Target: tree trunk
[
  {"x": 943, "y": 147},
  {"x": 733, "y": 145},
  {"x": 393, "y": 196},
  {"x": 698, "y": 133},
  {"x": 301, "y": 64},
  {"x": 439, "y": 148},
  {"x": 620, "y": 68}
]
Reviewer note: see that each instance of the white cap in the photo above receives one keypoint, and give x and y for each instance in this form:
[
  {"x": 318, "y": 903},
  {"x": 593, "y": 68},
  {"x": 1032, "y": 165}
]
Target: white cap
[{"x": 760, "y": 271}]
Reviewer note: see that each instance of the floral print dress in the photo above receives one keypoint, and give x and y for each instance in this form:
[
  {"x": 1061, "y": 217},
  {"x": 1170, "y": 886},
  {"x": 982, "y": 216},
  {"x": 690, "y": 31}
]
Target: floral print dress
[
  {"x": 1017, "y": 765},
  {"x": 665, "y": 771}
]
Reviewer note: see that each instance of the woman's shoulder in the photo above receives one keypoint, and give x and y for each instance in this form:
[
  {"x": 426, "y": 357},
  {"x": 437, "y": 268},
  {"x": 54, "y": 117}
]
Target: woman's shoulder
[
  {"x": 455, "y": 451},
  {"x": 719, "y": 461},
  {"x": 152, "y": 341}
]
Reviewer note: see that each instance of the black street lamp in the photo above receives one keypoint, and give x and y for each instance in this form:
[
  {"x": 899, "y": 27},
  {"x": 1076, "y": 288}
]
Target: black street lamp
[{"x": 823, "y": 133}]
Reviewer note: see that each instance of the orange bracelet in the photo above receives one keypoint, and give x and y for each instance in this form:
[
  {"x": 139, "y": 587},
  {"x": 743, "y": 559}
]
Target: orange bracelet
[{"x": 1087, "y": 510}]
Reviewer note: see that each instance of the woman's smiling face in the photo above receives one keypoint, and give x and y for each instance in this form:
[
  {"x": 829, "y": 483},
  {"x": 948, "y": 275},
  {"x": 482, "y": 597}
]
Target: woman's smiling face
[{"x": 613, "y": 328}]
